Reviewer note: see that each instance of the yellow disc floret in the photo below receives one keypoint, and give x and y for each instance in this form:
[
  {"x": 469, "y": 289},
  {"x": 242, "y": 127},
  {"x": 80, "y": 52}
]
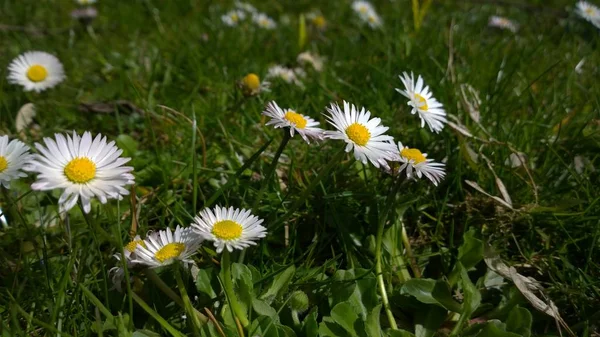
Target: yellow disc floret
[
  {"x": 359, "y": 134},
  {"x": 3, "y": 164},
  {"x": 251, "y": 82},
  {"x": 169, "y": 251},
  {"x": 37, "y": 73},
  {"x": 297, "y": 119},
  {"x": 413, "y": 154},
  {"x": 422, "y": 102},
  {"x": 80, "y": 170},
  {"x": 133, "y": 245},
  {"x": 319, "y": 21},
  {"x": 227, "y": 230}
]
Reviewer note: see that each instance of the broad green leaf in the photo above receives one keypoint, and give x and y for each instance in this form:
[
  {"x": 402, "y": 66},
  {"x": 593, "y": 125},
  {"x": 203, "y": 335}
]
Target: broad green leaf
[
  {"x": 310, "y": 327},
  {"x": 495, "y": 328},
  {"x": 519, "y": 321},
  {"x": 345, "y": 316},
  {"x": 358, "y": 287},
  {"x": 264, "y": 326},
  {"x": 203, "y": 283},
  {"x": 469, "y": 254},
  {"x": 428, "y": 320},
  {"x": 399, "y": 333},
  {"x": 430, "y": 291},
  {"x": 279, "y": 285},
  {"x": 242, "y": 278},
  {"x": 329, "y": 328},
  {"x": 264, "y": 309},
  {"x": 472, "y": 299},
  {"x": 372, "y": 325}
]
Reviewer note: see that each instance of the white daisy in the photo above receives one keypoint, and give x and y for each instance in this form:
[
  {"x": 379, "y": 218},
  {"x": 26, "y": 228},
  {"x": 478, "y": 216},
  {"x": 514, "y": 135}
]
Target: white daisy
[
  {"x": 251, "y": 85},
  {"x": 14, "y": 156},
  {"x": 229, "y": 228},
  {"x": 117, "y": 273},
  {"x": 373, "y": 20},
  {"x": 263, "y": 21},
  {"x": 163, "y": 247},
  {"x": 233, "y": 18},
  {"x": 85, "y": 2},
  {"x": 589, "y": 12},
  {"x": 82, "y": 168},
  {"x": 314, "y": 60},
  {"x": 422, "y": 101},
  {"x": 304, "y": 125},
  {"x": 503, "y": 23},
  {"x": 36, "y": 71},
  {"x": 317, "y": 19},
  {"x": 288, "y": 75},
  {"x": 246, "y": 7},
  {"x": 362, "y": 8},
  {"x": 416, "y": 162},
  {"x": 362, "y": 133}
]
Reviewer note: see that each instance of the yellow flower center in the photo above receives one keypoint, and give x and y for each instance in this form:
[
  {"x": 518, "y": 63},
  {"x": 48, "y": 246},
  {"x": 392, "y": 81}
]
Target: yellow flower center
[
  {"x": 251, "y": 81},
  {"x": 296, "y": 119},
  {"x": 133, "y": 245},
  {"x": 37, "y": 73},
  {"x": 80, "y": 170},
  {"x": 3, "y": 164},
  {"x": 371, "y": 18},
  {"x": 227, "y": 230},
  {"x": 422, "y": 102},
  {"x": 363, "y": 9},
  {"x": 264, "y": 22},
  {"x": 359, "y": 134},
  {"x": 319, "y": 21},
  {"x": 413, "y": 154},
  {"x": 169, "y": 251},
  {"x": 235, "y": 17},
  {"x": 590, "y": 11}
]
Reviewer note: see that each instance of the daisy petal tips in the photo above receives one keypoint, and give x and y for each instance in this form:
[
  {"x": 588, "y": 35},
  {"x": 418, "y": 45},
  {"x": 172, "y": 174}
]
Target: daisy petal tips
[
  {"x": 305, "y": 126},
  {"x": 416, "y": 164},
  {"x": 83, "y": 168},
  {"x": 36, "y": 71},
  {"x": 422, "y": 102},
  {"x": 363, "y": 134},
  {"x": 165, "y": 247},
  {"x": 14, "y": 156},
  {"x": 230, "y": 228}
]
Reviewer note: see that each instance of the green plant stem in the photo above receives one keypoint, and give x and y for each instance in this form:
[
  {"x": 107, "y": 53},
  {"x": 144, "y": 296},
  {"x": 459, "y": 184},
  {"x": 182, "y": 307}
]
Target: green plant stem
[
  {"x": 228, "y": 288},
  {"x": 156, "y": 316},
  {"x": 186, "y": 301},
  {"x": 413, "y": 262},
  {"x": 124, "y": 265}
]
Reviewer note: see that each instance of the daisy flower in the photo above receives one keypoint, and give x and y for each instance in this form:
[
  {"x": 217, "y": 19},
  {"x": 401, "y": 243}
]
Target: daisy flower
[
  {"x": 251, "y": 85},
  {"x": 165, "y": 247},
  {"x": 283, "y": 118},
  {"x": 263, "y": 21},
  {"x": 503, "y": 23},
  {"x": 14, "y": 156},
  {"x": 117, "y": 274},
  {"x": 373, "y": 20},
  {"x": 230, "y": 228},
  {"x": 315, "y": 61},
  {"x": 85, "y": 2},
  {"x": 36, "y": 71},
  {"x": 589, "y": 12},
  {"x": 362, "y": 133},
  {"x": 82, "y": 168},
  {"x": 246, "y": 7},
  {"x": 422, "y": 101},
  {"x": 416, "y": 163},
  {"x": 317, "y": 19},
  {"x": 233, "y": 18},
  {"x": 366, "y": 12},
  {"x": 286, "y": 74}
]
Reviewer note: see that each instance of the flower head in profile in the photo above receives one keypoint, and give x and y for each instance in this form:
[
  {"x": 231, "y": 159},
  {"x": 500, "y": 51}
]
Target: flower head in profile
[
  {"x": 503, "y": 23},
  {"x": 233, "y": 17},
  {"x": 251, "y": 85},
  {"x": 363, "y": 134},
  {"x": 82, "y": 168},
  {"x": 416, "y": 164},
  {"x": 588, "y": 12},
  {"x": 14, "y": 156},
  {"x": 422, "y": 102},
  {"x": 165, "y": 247},
  {"x": 314, "y": 60},
  {"x": 117, "y": 273},
  {"x": 36, "y": 71},
  {"x": 289, "y": 118},
  {"x": 263, "y": 21},
  {"x": 230, "y": 228},
  {"x": 288, "y": 75},
  {"x": 367, "y": 13}
]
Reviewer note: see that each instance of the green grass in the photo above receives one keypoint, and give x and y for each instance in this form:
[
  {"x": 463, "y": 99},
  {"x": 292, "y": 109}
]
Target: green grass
[{"x": 179, "y": 55}]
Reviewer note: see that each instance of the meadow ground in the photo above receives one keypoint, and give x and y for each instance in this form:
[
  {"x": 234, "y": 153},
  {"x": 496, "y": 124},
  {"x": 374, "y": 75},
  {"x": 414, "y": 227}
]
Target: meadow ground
[{"x": 519, "y": 202}]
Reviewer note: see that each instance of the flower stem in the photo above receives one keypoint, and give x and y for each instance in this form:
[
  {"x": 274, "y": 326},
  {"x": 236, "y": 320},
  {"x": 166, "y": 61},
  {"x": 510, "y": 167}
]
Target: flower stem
[
  {"x": 189, "y": 309},
  {"x": 124, "y": 264},
  {"x": 228, "y": 288}
]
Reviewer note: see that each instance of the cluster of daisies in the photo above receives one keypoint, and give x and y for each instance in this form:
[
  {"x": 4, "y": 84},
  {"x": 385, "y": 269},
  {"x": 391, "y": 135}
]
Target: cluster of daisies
[
  {"x": 367, "y": 13},
  {"x": 242, "y": 11},
  {"x": 366, "y": 136}
]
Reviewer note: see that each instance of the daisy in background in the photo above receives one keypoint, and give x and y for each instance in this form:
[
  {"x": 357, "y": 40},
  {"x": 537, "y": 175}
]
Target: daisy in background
[
  {"x": 233, "y": 18},
  {"x": 288, "y": 75},
  {"x": 85, "y": 2},
  {"x": 230, "y": 228},
  {"x": 83, "y": 168},
  {"x": 367, "y": 13},
  {"x": 314, "y": 60},
  {"x": 422, "y": 101},
  {"x": 362, "y": 133},
  {"x": 165, "y": 247},
  {"x": 117, "y": 274},
  {"x": 246, "y": 7},
  {"x": 284, "y": 118},
  {"x": 14, "y": 156},
  {"x": 263, "y": 21},
  {"x": 503, "y": 23},
  {"x": 416, "y": 164},
  {"x": 36, "y": 71},
  {"x": 317, "y": 19},
  {"x": 251, "y": 85},
  {"x": 589, "y": 12}
]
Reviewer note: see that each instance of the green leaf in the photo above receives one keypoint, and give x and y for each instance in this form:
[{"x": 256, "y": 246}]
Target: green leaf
[
  {"x": 495, "y": 328},
  {"x": 242, "y": 278},
  {"x": 469, "y": 254},
  {"x": 310, "y": 327},
  {"x": 264, "y": 309},
  {"x": 127, "y": 144},
  {"x": 399, "y": 333},
  {"x": 203, "y": 283},
  {"x": 358, "y": 287},
  {"x": 372, "y": 325},
  {"x": 279, "y": 285},
  {"x": 428, "y": 320},
  {"x": 430, "y": 291},
  {"x": 472, "y": 299},
  {"x": 345, "y": 316},
  {"x": 519, "y": 321},
  {"x": 329, "y": 328}
]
